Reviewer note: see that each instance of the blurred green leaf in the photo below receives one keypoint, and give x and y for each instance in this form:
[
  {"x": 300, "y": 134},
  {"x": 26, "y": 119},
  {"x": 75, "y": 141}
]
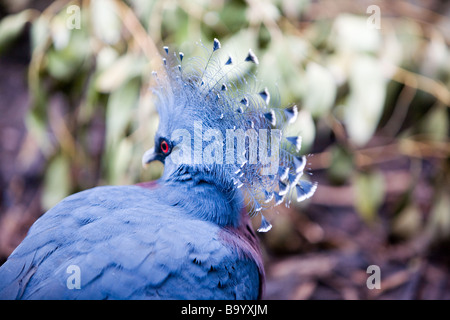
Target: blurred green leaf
[
  {"x": 11, "y": 26},
  {"x": 121, "y": 70},
  {"x": 36, "y": 119},
  {"x": 105, "y": 20},
  {"x": 143, "y": 9},
  {"x": 119, "y": 162},
  {"x": 56, "y": 182},
  {"x": 40, "y": 33},
  {"x": 233, "y": 15},
  {"x": 439, "y": 223},
  {"x": 106, "y": 57},
  {"x": 436, "y": 124},
  {"x": 60, "y": 66},
  {"x": 350, "y": 34},
  {"x": 37, "y": 126},
  {"x": 320, "y": 90},
  {"x": 66, "y": 61},
  {"x": 436, "y": 56},
  {"x": 342, "y": 164},
  {"x": 294, "y": 8},
  {"x": 59, "y": 32},
  {"x": 366, "y": 100},
  {"x": 119, "y": 111},
  {"x": 265, "y": 10},
  {"x": 281, "y": 64},
  {"x": 175, "y": 22},
  {"x": 409, "y": 34},
  {"x": 369, "y": 194},
  {"x": 408, "y": 222}
]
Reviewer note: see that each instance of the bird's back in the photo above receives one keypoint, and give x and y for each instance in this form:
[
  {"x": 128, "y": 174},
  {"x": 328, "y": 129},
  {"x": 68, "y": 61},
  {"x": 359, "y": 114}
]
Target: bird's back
[{"x": 125, "y": 243}]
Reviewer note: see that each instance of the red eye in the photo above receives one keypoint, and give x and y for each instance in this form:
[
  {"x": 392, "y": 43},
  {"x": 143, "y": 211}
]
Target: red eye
[{"x": 164, "y": 147}]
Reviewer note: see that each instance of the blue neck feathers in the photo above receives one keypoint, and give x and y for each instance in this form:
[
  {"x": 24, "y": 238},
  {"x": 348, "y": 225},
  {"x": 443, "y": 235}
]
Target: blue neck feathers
[{"x": 205, "y": 194}]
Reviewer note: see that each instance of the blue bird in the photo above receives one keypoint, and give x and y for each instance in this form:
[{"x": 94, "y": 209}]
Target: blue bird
[{"x": 187, "y": 235}]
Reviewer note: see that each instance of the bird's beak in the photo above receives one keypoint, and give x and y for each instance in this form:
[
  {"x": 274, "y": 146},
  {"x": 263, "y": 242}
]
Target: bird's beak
[{"x": 149, "y": 156}]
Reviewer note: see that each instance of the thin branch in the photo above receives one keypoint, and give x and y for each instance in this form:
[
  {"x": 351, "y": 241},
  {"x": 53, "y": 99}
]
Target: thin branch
[{"x": 417, "y": 81}]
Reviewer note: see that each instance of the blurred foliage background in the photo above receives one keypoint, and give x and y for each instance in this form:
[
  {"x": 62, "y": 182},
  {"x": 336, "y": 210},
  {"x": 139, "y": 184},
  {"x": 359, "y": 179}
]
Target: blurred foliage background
[{"x": 374, "y": 100}]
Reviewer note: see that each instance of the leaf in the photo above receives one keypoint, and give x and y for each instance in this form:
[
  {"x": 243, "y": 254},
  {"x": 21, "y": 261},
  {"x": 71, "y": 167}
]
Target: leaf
[
  {"x": 56, "y": 182},
  {"x": 408, "y": 222},
  {"x": 118, "y": 117},
  {"x": 439, "y": 224},
  {"x": 119, "y": 112},
  {"x": 233, "y": 16},
  {"x": 36, "y": 123},
  {"x": 12, "y": 26},
  {"x": 369, "y": 194},
  {"x": 436, "y": 56},
  {"x": 294, "y": 8},
  {"x": 105, "y": 20},
  {"x": 106, "y": 57},
  {"x": 143, "y": 9},
  {"x": 60, "y": 66},
  {"x": 59, "y": 32},
  {"x": 320, "y": 90},
  {"x": 40, "y": 32},
  {"x": 436, "y": 124},
  {"x": 350, "y": 34},
  {"x": 119, "y": 162},
  {"x": 366, "y": 101},
  {"x": 36, "y": 117},
  {"x": 121, "y": 70},
  {"x": 67, "y": 60},
  {"x": 281, "y": 65},
  {"x": 342, "y": 165},
  {"x": 265, "y": 10}
]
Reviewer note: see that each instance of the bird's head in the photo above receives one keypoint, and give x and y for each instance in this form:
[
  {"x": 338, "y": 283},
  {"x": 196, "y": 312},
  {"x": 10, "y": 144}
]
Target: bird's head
[{"x": 216, "y": 126}]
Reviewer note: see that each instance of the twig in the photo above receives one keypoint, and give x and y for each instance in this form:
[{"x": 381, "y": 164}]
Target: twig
[
  {"x": 398, "y": 116},
  {"x": 418, "y": 81},
  {"x": 148, "y": 47}
]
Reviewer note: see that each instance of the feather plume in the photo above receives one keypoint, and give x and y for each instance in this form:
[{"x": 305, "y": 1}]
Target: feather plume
[{"x": 224, "y": 97}]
